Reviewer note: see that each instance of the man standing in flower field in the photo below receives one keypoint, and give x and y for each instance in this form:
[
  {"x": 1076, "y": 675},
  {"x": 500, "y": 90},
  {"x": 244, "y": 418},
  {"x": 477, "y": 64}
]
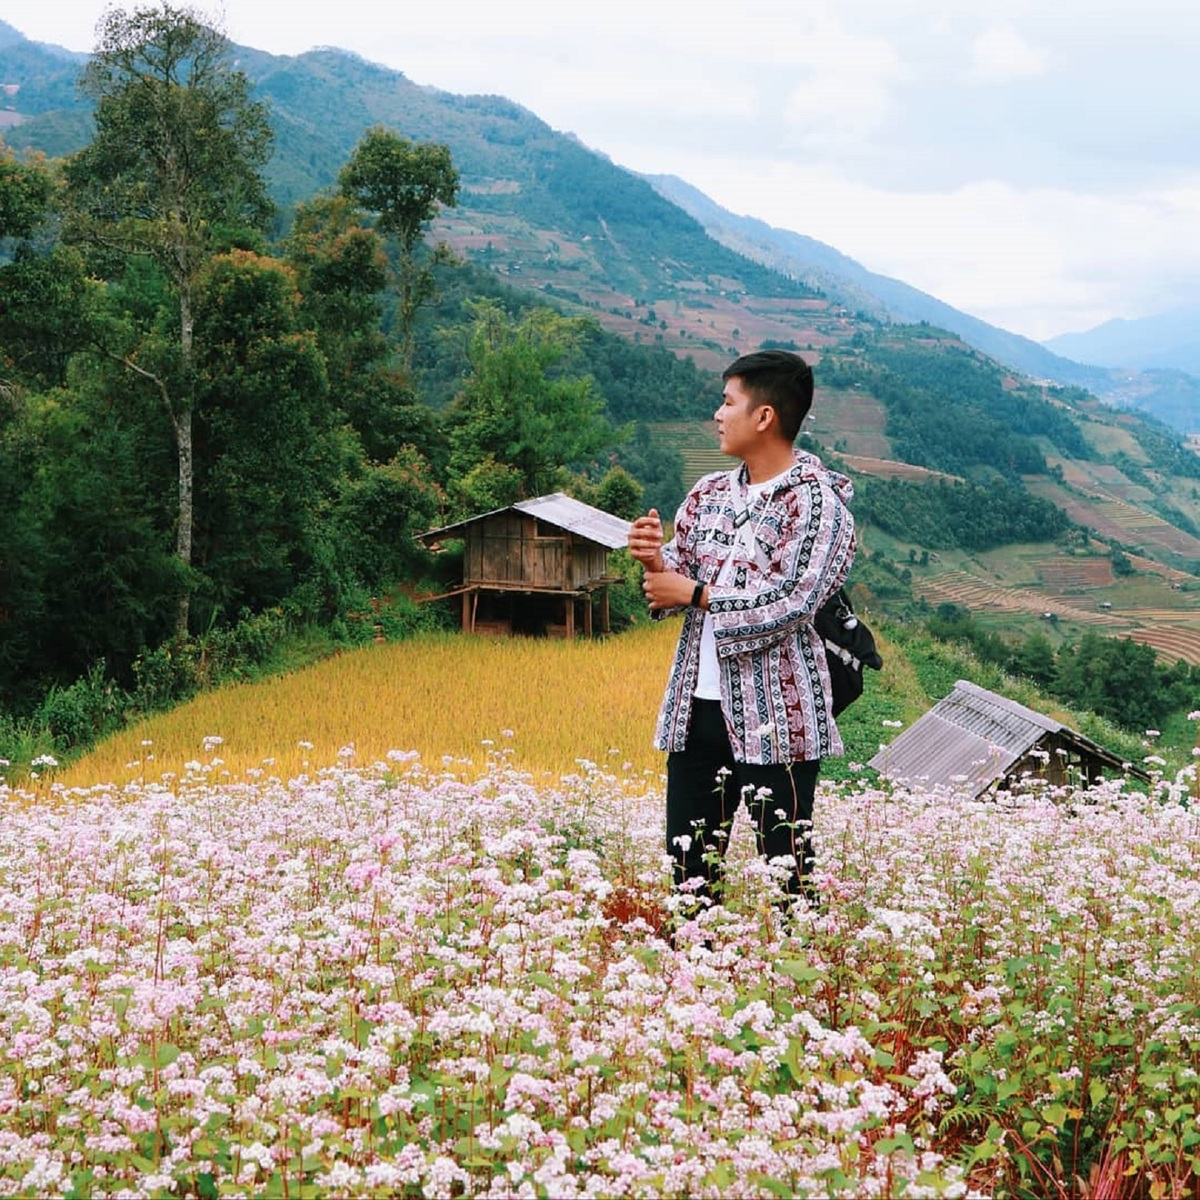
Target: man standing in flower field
[{"x": 755, "y": 553}]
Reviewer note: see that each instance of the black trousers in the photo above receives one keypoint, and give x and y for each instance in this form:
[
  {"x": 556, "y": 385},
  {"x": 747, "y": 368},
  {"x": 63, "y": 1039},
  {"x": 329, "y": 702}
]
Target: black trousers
[{"x": 704, "y": 786}]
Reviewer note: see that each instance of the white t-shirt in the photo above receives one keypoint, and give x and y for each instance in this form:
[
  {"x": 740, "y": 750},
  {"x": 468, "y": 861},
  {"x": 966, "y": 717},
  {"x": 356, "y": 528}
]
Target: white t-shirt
[{"x": 708, "y": 680}]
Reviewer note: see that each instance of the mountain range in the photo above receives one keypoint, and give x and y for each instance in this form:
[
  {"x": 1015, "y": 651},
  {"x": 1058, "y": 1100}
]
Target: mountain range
[
  {"x": 1170, "y": 340},
  {"x": 651, "y": 257}
]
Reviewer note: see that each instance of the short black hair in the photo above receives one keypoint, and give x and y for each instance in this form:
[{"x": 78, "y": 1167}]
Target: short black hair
[{"x": 779, "y": 378}]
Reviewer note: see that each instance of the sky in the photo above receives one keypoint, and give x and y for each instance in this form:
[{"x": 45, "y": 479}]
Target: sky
[{"x": 1034, "y": 164}]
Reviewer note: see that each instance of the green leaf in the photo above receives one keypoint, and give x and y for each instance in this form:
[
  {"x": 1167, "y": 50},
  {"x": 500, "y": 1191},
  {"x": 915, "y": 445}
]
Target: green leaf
[
  {"x": 1055, "y": 1114},
  {"x": 797, "y": 969}
]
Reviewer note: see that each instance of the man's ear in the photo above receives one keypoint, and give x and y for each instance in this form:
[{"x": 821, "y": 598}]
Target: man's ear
[{"x": 767, "y": 417}]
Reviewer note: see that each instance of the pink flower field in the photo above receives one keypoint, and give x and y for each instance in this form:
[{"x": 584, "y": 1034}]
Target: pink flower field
[{"x": 391, "y": 979}]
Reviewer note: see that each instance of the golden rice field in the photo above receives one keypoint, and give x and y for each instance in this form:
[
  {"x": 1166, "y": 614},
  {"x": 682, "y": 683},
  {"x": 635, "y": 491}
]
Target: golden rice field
[{"x": 549, "y": 702}]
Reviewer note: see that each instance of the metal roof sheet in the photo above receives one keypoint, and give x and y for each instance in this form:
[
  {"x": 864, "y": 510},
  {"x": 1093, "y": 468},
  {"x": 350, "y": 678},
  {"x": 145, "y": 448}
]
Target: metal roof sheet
[
  {"x": 936, "y": 750},
  {"x": 588, "y": 521},
  {"x": 971, "y": 737},
  {"x": 560, "y": 510}
]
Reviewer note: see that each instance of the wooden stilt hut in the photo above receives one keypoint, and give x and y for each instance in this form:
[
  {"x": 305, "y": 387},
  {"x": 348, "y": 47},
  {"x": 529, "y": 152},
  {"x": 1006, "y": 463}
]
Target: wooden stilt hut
[{"x": 528, "y": 565}]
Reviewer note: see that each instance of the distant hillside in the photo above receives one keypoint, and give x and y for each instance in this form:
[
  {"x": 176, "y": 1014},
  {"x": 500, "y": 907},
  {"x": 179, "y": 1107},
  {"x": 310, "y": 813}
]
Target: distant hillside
[
  {"x": 1155, "y": 343},
  {"x": 652, "y": 258},
  {"x": 1168, "y": 340}
]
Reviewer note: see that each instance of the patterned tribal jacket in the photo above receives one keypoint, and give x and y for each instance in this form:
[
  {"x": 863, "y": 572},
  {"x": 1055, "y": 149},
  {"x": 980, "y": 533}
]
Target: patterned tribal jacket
[{"x": 774, "y": 679}]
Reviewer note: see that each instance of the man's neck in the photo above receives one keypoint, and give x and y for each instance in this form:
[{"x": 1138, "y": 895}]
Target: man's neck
[{"x": 770, "y": 460}]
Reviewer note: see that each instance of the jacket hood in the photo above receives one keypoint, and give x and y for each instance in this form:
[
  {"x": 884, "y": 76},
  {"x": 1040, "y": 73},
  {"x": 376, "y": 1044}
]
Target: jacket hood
[{"x": 810, "y": 466}]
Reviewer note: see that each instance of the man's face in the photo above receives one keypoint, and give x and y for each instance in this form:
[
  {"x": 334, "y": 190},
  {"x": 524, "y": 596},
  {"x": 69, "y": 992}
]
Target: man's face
[{"x": 739, "y": 425}]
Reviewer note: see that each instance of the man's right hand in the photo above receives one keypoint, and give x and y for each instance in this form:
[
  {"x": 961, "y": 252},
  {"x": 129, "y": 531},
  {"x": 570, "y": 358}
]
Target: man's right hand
[{"x": 646, "y": 539}]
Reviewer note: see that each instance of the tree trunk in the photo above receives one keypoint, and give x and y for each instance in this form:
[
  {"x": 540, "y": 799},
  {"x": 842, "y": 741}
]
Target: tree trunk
[{"x": 183, "y": 445}]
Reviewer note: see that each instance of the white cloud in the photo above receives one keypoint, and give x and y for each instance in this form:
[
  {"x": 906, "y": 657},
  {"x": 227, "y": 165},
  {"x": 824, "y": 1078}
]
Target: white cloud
[
  {"x": 846, "y": 96},
  {"x": 1001, "y": 55}
]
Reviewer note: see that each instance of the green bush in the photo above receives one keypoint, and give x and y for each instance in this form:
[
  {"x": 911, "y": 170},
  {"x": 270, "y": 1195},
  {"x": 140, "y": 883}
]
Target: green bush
[{"x": 77, "y": 715}]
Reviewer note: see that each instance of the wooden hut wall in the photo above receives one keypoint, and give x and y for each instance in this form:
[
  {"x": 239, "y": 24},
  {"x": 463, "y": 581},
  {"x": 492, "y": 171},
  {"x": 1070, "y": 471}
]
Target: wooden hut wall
[
  {"x": 1068, "y": 763},
  {"x": 589, "y": 561},
  {"x": 506, "y": 551}
]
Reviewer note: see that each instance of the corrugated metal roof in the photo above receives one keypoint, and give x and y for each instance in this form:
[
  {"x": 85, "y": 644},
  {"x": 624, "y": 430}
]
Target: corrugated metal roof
[
  {"x": 559, "y": 510},
  {"x": 972, "y": 737},
  {"x": 568, "y": 513}
]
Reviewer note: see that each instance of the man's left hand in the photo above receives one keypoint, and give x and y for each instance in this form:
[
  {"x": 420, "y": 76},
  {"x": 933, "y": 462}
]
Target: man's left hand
[{"x": 667, "y": 589}]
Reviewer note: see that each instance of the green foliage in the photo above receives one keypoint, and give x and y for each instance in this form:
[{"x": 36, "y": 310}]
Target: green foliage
[
  {"x": 1164, "y": 449},
  {"x": 25, "y": 194},
  {"x": 944, "y": 515},
  {"x": 378, "y": 514},
  {"x": 618, "y": 493},
  {"x": 952, "y": 410},
  {"x": 486, "y": 486},
  {"x": 78, "y": 715},
  {"x": 1119, "y": 680},
  {"x": 1122, "y": 680},
  {"x": 513, "y": 410},
  {"x": 178, "y": 141},
  {"x": 1122, "y": 567},
  {"x": 656, "y": 466},
  {"x": 95, "y": 578},
  {"x": 340, "y": 268},
  {"x": 640, "y": 383},
  {"x": 404, "y": 184},
  {"x": 267, "y": 450},
  {"x": 46, "y": 309}
]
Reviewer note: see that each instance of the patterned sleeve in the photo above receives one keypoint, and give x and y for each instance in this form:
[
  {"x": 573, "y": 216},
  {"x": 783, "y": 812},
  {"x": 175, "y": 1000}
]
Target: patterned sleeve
[
  {"x": 809, "y": 549},
  {"x": 676, "y": 553}
]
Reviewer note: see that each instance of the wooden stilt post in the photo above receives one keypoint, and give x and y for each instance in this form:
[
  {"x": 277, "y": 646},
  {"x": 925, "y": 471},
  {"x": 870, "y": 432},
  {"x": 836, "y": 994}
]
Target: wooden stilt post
[
  {"x": 587, "y": 614},
  {"x": 466, "y": 612},
  {"x": 570, "y": 616},
  {"x": 604, "y": 613}
]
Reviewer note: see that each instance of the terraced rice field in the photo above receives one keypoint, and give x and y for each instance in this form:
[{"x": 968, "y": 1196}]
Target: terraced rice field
[
  {"x": 979, "y": 595},
  {"x": 1112, "y": 518},
  {"x": 889, "y": 468},
  {"x": 1101, "y": 478},
  {"x": 1063, "y": 575},
  {"x": 696, "y": 442},
  {"x": 1171, "y": 642},
  {"x": 1175, "y": 633},
  {"x": 852, "y": 419}
]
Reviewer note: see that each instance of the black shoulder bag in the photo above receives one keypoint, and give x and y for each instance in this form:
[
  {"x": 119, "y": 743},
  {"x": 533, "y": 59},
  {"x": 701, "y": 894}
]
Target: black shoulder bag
[{"x": 849, "y": 646}]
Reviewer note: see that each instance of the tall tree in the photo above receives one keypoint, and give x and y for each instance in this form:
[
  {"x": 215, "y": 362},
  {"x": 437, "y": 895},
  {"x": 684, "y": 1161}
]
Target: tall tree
[
  {"x": 403, "y": 183},
  {"x": 519, "y": 419},
  {"x": 269, "y": 456},
  {"x": 172, "y": 173}
]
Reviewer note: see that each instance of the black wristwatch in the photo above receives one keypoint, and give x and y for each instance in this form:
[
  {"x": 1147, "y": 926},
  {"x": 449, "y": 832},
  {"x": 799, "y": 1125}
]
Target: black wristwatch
[{"x": 697, "y": 595}]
